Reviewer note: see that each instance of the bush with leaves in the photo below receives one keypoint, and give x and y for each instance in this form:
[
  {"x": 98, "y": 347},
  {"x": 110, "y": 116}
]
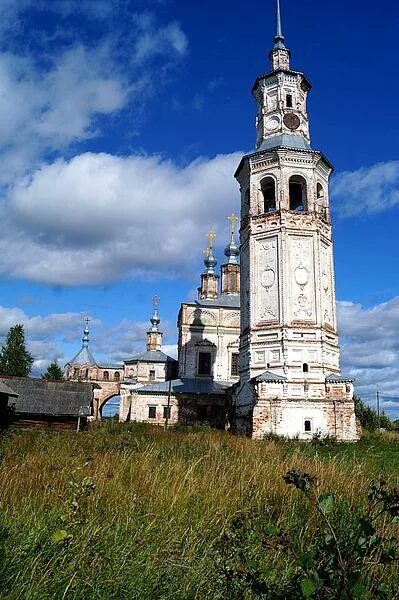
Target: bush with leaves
[
  {"x": 337, "y": 565},
  {"x": 369, "y": 418}
]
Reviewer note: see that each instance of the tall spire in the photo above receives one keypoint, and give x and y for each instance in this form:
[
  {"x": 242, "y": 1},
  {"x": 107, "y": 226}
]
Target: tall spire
[
  {"x": 279, "y": 38},
  {"x": 154, "y": 336},
  {"x": 279, "y": 55},
  {"x": 85, "y": 338}
]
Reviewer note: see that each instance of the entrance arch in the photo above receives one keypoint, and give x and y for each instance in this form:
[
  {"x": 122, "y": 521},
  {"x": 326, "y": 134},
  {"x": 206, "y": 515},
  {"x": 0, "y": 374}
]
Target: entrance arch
[{"x": 110, "y": 407}]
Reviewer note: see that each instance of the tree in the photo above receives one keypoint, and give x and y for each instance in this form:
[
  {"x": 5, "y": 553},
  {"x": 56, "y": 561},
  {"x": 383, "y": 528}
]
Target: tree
[
  {"x": 54, "y": 371},
  {"x": 15, "y": 360},
  {"x": 368, "y": 417}
]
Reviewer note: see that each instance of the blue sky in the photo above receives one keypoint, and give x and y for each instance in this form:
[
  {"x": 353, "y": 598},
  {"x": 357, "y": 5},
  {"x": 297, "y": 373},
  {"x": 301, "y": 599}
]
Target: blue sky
[{"x": 121, "y": 124}]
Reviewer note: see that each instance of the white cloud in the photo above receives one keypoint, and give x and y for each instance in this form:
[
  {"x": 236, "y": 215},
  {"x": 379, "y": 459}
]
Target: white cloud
[
  {"x": 48, "y": 110},
  {"x": 367, "y": 190},
  {"x": 57, "y": 336},
  {"x": 370, "y": 346},
  {"x": 99, "y": 217},
  {"x": 152, "y": 41}
]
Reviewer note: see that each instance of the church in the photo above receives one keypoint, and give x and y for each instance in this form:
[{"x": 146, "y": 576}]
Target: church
[{"x": 258, "y": 350}]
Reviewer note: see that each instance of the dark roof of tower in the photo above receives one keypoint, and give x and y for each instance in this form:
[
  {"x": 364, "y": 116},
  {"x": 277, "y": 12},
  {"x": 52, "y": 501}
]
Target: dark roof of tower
[
  {"x": 285, "y": 140},
  {"x": 187, "y": 385},
  {"x": 155, "y": 356}
]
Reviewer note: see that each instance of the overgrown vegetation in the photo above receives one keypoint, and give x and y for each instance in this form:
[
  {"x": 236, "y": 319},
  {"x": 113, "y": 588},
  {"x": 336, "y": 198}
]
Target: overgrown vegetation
[
  {"x": 369, "y": 418},
  {"x": 135, "y": 512}
]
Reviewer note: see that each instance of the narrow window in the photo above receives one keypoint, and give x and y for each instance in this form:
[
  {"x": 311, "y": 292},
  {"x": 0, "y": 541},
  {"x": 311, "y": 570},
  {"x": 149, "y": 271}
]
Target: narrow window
[
  {"x": 307, "y": 425},
  {"x": 106, "y": 376},
  {"x": 245, "y": 205},
  {"x": 297, "y": 189},
  {"x": 305, "y": 368},
  {"x": 202, "y": 413},
  {"x": 117, "y": 376},
  {"x": 320, "y": 191},
  {"x": 76, "y": 373},
  {"x": 205, "y": 363},
  {"x": 87, "y": 374},
  {"x": 151, "y": 375},
  {"x": 234, "y": 364},
  {"x": 166, "y": 412},
  {"x": 152, "y": 412},
  {"x": 268, "y": 187},
  {"x": 289, "y": 100}
]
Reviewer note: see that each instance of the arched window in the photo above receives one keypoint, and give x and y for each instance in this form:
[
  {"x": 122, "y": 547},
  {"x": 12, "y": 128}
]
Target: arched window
[
  {"x": 298, "y": 195},
  {"x": 268, "y": 187},
  {"x": 305, "y": 368},
  {"x": 106, "y": 376},
  {"x": 87, "y": 374},
  {"x": 117, "y": 376},
  {"x": 320, "y": 191},
  {"x": 289, "y": 100}
]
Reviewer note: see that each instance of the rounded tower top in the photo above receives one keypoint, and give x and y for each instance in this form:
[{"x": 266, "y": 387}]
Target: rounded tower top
[
  {"x": 155, "y": 320},
  {"x": 232, "y": 250}
]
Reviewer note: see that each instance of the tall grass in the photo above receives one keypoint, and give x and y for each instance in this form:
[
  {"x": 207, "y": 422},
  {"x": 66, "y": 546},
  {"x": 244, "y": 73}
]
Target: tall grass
[{"x": 150, "y": 527}]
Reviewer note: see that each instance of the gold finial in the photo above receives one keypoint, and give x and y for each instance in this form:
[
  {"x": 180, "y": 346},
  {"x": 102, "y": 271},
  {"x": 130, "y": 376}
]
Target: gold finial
[
  {"x": 233, "y": 219},
  {"x": 206, "y": 252},
  {"x": 211, "y": 235}
]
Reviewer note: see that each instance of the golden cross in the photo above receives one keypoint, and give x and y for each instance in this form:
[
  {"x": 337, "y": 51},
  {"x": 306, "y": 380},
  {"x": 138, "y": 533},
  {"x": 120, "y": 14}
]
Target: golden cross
[
  {"x": 233, "y": 219},
  {"x": 211, "y": 237}
]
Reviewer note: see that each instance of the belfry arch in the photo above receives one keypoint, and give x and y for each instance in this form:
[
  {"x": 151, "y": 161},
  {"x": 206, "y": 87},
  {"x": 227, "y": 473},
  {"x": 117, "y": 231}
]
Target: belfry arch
[
  {"x": 268, "y": 189},
  {"x": 298, "y": 196}
]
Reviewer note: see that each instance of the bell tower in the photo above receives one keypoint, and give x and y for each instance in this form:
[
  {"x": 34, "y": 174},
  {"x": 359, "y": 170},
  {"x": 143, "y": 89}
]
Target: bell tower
[{"x": 290, "y": 381}]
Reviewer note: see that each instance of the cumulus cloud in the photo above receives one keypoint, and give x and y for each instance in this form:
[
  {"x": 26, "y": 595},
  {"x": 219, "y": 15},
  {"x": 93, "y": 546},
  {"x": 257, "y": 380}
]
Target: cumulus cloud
[
  {"x": 57, "y": 336},
  {"x": 98, "y": 217},
  {"x": 58, "y": 83},
  {"x": 370, "y": 347},
  {"x": 367, "y": 190}
]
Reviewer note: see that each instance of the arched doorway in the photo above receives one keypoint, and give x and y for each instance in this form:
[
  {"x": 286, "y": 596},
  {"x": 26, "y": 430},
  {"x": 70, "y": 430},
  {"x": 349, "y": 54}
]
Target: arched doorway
[{"x": 110, "y": 408}]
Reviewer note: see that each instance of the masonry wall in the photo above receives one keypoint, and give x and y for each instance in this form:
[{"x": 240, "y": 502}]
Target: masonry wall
[{"x": 208, "y": 328}]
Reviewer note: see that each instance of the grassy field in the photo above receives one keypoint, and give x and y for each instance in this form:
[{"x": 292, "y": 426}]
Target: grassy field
[{"x": 133, "y": 512}]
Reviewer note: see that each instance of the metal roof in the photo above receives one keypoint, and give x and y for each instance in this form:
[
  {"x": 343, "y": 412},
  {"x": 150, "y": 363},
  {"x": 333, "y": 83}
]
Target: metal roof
[
  {"x": 188, "y": 385},
  {"x": 44, "y": 397},
  {"x": 285, "y": 140},
  {"x": 333, "y": 378},
  {"x": 155, "y": 356},
  {"x": 223, "y": 301},
  {"x": 4, "y": 389},
  {"x": 269, "y": 377},
  {"x": 83, "y": 357}
]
